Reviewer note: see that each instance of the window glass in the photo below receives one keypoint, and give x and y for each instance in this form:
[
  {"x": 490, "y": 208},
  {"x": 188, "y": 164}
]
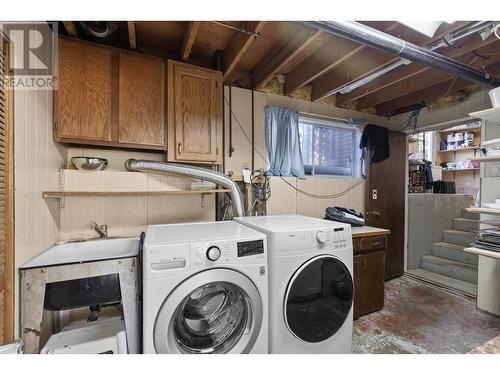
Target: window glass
[{"x": 328, "y": 148}]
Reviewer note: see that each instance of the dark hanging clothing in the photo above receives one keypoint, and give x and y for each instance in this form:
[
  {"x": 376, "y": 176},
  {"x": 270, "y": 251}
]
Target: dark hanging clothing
[{"x": 378, "y": 139}]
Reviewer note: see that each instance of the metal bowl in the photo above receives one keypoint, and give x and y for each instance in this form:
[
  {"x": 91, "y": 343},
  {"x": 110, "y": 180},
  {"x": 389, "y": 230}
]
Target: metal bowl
[{"x": 89, "y": 163}]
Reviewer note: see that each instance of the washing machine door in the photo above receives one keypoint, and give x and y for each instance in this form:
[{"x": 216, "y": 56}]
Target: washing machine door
[
  {"x": 214, "y": 311},
  {"x": 318, "y": 298}
]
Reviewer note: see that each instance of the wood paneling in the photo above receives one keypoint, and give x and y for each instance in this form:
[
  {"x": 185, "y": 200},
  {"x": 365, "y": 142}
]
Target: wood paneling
[
  {"x": 132, "y": 38},
  {"x": 6, "y": 201},
  {"x": 194, "y": 112},
  {"x": 83, "y": 98},
  {"x": 141, "y": 100}
]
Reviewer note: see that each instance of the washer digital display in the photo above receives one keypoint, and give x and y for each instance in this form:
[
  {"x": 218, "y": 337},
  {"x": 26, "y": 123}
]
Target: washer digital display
[{"x": 248, "y": 248}]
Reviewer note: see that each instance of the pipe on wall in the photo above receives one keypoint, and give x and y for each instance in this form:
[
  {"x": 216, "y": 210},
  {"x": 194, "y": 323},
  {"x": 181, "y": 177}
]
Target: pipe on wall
[
  {"x": 191, "y": 172},
  {"x": 360, "y": 33}
]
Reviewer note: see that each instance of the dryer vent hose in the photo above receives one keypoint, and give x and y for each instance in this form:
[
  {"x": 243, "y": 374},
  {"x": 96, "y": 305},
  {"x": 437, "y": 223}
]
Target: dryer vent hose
[{"x": 204, "y": 174}]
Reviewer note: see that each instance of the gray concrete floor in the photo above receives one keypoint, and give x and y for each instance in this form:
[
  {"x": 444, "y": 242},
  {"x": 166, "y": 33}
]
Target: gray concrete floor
[{"x": 420, "y": 318}]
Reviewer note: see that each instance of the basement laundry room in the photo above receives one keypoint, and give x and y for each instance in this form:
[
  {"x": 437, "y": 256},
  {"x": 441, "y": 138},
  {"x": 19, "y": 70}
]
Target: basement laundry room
[{"x": 223, "y": 185}]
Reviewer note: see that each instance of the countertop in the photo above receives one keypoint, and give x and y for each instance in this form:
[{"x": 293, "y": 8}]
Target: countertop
[{"x": 366, "y": 231}]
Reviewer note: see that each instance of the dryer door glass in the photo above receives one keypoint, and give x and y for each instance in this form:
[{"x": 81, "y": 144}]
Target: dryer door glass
[{"x": 318, "y": 299}]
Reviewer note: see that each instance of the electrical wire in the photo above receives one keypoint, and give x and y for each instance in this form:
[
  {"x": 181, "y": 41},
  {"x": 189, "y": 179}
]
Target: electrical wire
[{"x": 311, "y": 195}]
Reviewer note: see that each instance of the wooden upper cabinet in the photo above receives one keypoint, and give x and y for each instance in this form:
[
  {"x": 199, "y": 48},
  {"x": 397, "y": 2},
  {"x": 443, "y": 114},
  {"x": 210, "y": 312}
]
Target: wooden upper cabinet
[
  {"x": 141, "y": 100},
  {"x": 194, "y": 114},
  {"x": 83, "y": 103}
]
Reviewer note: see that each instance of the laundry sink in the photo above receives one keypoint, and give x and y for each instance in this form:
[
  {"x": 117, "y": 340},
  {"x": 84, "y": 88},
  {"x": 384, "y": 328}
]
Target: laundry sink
[{"x": 86, "y": 251}]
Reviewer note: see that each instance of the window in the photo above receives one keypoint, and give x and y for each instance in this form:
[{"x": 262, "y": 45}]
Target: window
[{"x": 329, "y": 148}]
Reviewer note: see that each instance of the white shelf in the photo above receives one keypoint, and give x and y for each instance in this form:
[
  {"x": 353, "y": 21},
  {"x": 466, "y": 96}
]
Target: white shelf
[
  {"x": 461, "y": 170},
  {"x": 492, "y": 115},
  {"x": 491, "y": 142},
  {"x": 486, "y": 253},
  {"x": 487, "y": 158},
  {"x": 461, "y": 149},
  {"x": 481, "y": 210}
]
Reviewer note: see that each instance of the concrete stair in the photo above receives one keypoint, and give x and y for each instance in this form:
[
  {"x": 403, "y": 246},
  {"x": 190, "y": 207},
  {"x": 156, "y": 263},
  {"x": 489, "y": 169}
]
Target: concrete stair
[
  {"x": 448, "y": 263},
  {"x": 451, "y": 268},
  {"x": 469, "y": 215},
  {"x": 458, "y": 237},
  {"x": 467, "y": 225},
  {"x": 453, "y": 252}
]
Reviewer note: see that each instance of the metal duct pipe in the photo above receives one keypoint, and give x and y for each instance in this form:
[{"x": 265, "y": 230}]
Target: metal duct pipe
[
  {"x": 191, "y": 172},
  {"x": 377, "y": 39}
]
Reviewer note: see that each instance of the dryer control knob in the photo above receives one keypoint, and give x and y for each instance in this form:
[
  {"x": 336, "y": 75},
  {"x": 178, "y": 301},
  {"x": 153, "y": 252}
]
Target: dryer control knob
[
  {"x": 321, "y": 236},
  {"x": 213, "y": 253}
]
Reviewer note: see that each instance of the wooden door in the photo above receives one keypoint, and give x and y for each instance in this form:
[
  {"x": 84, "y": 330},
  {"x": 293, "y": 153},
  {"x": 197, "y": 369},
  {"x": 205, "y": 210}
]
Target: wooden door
[
  {"x": 6, "y": 202},
  {"x": 82, "y": 103},
  {"x": 385, "y": 201},
  {"x": 194, "y": 113},
  {"x": 141, "y": 101}
]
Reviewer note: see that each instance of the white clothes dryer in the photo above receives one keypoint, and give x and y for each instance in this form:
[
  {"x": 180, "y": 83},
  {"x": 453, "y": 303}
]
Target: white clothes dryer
[{"x": 310, "y": 283}]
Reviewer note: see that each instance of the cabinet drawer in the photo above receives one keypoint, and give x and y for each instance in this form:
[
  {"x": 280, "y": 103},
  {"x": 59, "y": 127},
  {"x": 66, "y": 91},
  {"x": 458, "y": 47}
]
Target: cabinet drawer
[{"x": 368, "y": 244}]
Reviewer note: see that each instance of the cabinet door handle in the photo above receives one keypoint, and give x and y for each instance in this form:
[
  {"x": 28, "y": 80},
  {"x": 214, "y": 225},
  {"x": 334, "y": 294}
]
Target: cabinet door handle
[
  {"x": 179, "y": 148},
  {"x": 364, "y": 264}
]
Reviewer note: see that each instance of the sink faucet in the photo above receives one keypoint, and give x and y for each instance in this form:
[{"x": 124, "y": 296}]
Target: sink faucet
[{"x": 102, "y": 230}]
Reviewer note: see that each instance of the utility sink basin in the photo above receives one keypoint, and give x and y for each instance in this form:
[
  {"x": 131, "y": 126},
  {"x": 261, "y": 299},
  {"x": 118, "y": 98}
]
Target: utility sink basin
[{"x": 86, "y": 251}]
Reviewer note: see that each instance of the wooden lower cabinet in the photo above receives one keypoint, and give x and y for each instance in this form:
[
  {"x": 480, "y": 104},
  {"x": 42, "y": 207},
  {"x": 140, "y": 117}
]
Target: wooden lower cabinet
[{"x": 369, "y": 275}]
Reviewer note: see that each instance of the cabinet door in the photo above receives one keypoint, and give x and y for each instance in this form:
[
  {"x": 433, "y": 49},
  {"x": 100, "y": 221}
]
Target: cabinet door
[
  {"x": 194, "y": 113},
  {"x": 83, "y": 99},
  {"x": 369, "y": 272},
  {"x": 141, "y": 101}
]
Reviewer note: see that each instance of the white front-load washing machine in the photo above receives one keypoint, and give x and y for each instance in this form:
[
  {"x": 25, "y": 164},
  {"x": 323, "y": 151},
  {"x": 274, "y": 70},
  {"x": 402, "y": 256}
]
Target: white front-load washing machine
[
  {"x": 205, "y": 289},
  {"x": 310, "y": 283}
]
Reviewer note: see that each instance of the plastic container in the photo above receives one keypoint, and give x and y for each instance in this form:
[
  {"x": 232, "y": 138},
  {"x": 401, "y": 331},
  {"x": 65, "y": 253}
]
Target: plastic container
[{"x": 495, "y": 97}]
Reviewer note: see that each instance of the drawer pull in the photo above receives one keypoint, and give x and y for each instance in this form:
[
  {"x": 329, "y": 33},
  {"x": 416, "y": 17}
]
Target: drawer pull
[{"x": 179, "y": 148}]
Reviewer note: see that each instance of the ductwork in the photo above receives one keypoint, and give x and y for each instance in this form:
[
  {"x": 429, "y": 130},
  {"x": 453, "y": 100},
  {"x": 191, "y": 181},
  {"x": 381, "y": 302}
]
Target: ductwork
[
  {"x": 191, "y": 172},
  {"x": 377, "y": 39}
]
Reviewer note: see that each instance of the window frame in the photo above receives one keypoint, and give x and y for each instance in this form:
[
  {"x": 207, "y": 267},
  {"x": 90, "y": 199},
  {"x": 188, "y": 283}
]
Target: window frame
[{"x": 327, "y": 123}]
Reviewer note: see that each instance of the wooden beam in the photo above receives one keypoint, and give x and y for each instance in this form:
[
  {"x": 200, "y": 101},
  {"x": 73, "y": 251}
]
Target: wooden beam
[
  {"x": 284, "y": 53},
  {"x": 361, "y": 65},
  {"x": 430, "y": 93},
  {"x": 70, "y": 28},
  {"x": 420, "y": 81},
  {"x": 239, "y": 44},
  {"x": 461, "y": 48},
  {"x": 132, "y": 39},
  {"x": 189, "y": 38}
]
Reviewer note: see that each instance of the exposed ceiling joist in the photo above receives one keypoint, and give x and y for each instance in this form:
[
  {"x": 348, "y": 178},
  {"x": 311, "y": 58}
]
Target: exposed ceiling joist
[
  {"x": 189, "y": 38},
  {"x": 420, "y": 81},
  {"x": 132, "y": 39},
  {"x": 407, "y": 71},
  {"x": 239, "y": 44},
  {"x": 285, "y": 53},
  {"x": 326, "y": 58},
  {"x": 70, "y": 28},
  {"x": 360, "y": 66},
  {"x": 429, "y": 93}
]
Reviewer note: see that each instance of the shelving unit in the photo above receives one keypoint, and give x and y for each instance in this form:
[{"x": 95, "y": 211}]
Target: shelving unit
[
  {"x": 461, "y": 149},
  {"x": 488, "y": 285},
  {"x": 460, "y": 170}
]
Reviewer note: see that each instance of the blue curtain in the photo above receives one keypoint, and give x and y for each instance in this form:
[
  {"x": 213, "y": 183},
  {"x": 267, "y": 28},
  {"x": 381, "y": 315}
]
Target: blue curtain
[{"x": 283, "y": 143}]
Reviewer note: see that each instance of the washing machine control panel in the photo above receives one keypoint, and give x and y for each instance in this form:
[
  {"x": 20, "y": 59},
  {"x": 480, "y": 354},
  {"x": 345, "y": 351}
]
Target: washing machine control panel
[{"x": 227, "y": 252}]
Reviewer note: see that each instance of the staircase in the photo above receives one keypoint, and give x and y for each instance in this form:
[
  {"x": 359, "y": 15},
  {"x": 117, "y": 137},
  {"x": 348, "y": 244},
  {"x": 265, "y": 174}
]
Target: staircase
[{"x": 448, "y": 264}]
